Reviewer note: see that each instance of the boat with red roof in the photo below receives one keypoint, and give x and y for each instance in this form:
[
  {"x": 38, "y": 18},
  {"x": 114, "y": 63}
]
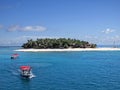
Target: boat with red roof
[
  {"x": 26, "y": 71},
  {"x": 14, "y": 56}
]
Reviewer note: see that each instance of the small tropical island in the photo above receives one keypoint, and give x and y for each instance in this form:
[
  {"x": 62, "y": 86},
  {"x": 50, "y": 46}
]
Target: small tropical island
[{"x": 60, "y": 43}]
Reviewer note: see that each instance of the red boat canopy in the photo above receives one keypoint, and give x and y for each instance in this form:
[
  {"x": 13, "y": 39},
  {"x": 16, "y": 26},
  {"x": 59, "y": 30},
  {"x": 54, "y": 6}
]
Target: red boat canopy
[
  {"x": 15, "y": 55},
  {"x": 25, "y": 67}
]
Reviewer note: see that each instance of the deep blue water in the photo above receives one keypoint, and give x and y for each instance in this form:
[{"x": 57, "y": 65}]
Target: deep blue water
[{"x": 61, "y": 70}]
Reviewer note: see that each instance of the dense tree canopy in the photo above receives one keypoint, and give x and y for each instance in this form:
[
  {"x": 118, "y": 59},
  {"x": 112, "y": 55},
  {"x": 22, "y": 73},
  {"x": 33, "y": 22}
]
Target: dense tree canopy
[{"x": 57, "y": 43}]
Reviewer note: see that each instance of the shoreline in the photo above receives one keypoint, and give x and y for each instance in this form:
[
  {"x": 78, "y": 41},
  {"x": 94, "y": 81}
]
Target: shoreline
[{"x": 69, "y": 49}]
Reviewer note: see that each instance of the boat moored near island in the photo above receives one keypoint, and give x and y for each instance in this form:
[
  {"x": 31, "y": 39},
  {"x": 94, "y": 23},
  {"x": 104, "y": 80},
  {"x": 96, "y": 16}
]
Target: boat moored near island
[{"x": 14, "y": 56}]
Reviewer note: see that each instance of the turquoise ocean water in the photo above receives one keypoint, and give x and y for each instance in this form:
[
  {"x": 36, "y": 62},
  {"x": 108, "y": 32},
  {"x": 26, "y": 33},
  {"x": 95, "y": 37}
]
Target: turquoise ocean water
[{"x": 61, "y": 70}]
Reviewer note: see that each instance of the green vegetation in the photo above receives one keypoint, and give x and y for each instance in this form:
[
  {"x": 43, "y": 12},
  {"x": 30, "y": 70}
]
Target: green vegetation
[{"x": 60, "y": 43}]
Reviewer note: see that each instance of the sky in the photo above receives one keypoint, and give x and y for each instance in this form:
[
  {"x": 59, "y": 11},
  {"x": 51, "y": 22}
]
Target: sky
[{"x": 96, "y": 21}]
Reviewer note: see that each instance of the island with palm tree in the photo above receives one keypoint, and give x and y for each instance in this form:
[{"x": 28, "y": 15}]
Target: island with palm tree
[{"x": 60, "y": 43}]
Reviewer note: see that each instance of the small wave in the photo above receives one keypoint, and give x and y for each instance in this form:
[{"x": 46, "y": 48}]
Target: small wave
[
  {"x": 16, "y": 72},
  {"x": 32, "y": 76}
]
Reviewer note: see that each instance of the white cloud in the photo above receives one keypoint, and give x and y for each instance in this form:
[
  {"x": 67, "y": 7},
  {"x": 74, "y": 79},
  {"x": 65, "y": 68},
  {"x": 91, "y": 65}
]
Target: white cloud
[
  {"x": 33, "y": 28},
  {"x": 108, "y": 40},
  {"x": 103, "y": 39},
  {"x": 37, "y": 37},
  {"x": 26, "y": 28},
  {"x": 14, "y": 28},
  {"x": 108, "y": 30},
  {"x": 1, "y": 26}
]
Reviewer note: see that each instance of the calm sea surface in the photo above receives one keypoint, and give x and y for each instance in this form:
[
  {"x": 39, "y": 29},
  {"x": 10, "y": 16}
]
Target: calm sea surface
[{"x": 61, "y": 70}]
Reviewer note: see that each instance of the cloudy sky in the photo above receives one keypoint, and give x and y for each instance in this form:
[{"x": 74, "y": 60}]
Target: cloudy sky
[{"x": 96, "y": 21}]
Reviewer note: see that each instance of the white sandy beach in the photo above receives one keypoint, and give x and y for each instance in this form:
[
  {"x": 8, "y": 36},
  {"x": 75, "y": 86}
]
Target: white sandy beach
[{"x": 70, "y": 49}]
